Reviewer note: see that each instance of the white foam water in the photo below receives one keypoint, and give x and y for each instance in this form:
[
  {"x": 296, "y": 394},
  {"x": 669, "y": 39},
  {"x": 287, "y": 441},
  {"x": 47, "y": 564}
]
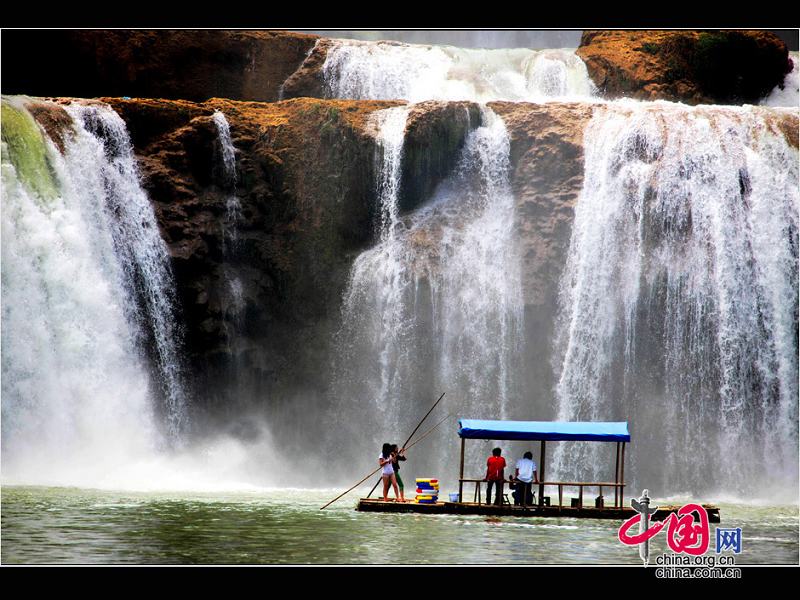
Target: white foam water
[
  {"x": 233, "y": 206},
  {"x": 437, "y": 303},
  {"x": 143, "y": 254},
  {"x": 85, "y": 279},
  {"x": 390, "y": 70},
  {"x": 234, "y": 308},
  {"x": 788, "y": 94},
  {"x": 678, "y": 303},
  {"x": 227, "y": 150}
]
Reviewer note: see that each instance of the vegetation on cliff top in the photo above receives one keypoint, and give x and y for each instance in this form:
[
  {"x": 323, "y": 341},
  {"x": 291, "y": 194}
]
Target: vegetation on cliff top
[{"x": 25, "y": 147}]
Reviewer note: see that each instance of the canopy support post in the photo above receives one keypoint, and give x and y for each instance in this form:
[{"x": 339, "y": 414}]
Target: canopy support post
[
  {"x": 541, "y": 474},
  {"x": 622, "y": 477},
  {"x": 616, "y": 479},
  {"x": 461, "y": 473}
]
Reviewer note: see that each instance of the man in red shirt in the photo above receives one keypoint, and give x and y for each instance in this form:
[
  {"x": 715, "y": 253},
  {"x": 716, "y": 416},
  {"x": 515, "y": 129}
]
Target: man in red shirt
[{"x": 495, "y": 466}]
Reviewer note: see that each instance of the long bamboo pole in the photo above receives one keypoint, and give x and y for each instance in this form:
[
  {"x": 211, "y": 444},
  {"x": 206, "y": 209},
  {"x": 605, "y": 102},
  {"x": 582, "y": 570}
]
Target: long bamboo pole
[
  {"x": 409, "y": 438},
  {"x": 417, "y": 441}
]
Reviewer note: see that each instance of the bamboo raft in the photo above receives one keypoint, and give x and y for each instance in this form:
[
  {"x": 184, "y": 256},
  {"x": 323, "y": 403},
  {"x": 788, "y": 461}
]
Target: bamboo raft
[
  {"x": 506, "y": 510},
  {"x": 541, "y": 431},
  {"x": 540, "y": 506}
]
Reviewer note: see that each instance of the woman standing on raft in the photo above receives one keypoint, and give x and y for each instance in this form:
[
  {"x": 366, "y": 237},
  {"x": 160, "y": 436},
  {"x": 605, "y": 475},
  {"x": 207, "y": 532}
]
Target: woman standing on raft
[{"x": 386, "y": 460}]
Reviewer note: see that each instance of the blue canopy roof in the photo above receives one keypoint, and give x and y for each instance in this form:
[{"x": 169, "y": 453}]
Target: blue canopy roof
[{"x": 477, "y": 429}]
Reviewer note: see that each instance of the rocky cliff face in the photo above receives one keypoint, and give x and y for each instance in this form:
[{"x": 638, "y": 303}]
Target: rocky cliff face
[
  {"x": 547, "y": 178},
  {"x": 190, "y": 65},
  {"x": 431, "y": 146},
  {"x": 263, "y": 311},
  {"x": 307, "y": 80},
  {"x": 306, "y": 187},
  {"x": 547, "y": 159},
  {"x": 716, "y": 67},
  {"x": 729, "y": 67}
]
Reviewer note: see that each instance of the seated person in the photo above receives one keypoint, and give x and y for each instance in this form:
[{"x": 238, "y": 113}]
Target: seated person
[{"x": 517, "y": 488}]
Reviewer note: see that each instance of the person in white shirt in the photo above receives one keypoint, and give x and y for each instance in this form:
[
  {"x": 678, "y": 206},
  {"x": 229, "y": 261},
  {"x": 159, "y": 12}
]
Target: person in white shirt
[{"x": 525, "y": 476}]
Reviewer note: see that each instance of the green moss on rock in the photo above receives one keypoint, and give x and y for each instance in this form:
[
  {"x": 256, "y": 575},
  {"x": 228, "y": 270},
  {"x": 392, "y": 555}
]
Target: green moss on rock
[{"x": 25, "y": 147}]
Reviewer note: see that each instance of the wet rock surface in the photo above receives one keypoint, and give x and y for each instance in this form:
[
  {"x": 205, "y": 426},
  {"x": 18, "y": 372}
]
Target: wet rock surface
[
  {"x": 264, "y": 310},
  {"x": 695, "y": 67},
  {"x": 722, "y": 67},
  {"x": 547, "y": 179},
  {"x": 306, "y": 185},
  {"x": 186, "y": 64}
]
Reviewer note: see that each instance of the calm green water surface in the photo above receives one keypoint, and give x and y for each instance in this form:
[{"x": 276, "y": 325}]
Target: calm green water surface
[{"x": 66, "y": 525}]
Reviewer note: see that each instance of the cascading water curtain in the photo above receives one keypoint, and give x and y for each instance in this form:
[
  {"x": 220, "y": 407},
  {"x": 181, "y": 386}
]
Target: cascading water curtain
[
  {"x": 378, "y": 285},
  {"x": 229, "y": 178},
  {"x": 85, "y": 280},
  {"x": 678, "y": 304},
  {"x": 140, "y": 249},
  {"x": 437, "y": 304},
  {"x": 387, "y": 70},
  {"x": 788, "y": 92},
  {"x": 234, "y": 308}
]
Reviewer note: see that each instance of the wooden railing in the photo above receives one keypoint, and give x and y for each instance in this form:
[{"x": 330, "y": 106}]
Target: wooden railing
[{"x": 618, "y": 489}]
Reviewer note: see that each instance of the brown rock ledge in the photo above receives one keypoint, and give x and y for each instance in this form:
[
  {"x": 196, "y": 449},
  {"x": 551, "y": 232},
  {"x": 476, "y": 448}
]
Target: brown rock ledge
[
  {"x": 695, "y": 67},
  {"x": 193, "y": 65}
]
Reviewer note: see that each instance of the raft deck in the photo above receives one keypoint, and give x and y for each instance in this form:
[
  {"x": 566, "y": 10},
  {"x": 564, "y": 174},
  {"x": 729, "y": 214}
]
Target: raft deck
[{"x": 506, "y": 510}]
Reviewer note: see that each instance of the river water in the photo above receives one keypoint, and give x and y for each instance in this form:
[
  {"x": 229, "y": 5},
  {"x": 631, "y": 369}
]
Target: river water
[{"x": 285, "y": 526}]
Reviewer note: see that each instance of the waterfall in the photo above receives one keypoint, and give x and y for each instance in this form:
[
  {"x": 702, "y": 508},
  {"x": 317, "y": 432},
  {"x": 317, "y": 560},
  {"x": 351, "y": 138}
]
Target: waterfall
[
  {"x": 390, "y": 70},
  {"x": 227, "y": 150},
  {"x": 789, "y": 93},
  {"x": 138, "y": 246},
  {"x": 229, "y": 178},
  {"x": 437, "y": 303},
  {"x": 678, "y": 303},
  {"x": 234, "y": 307},
  {"x": 86, "y": 285},
  {"x": 379, "y": 277}
]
